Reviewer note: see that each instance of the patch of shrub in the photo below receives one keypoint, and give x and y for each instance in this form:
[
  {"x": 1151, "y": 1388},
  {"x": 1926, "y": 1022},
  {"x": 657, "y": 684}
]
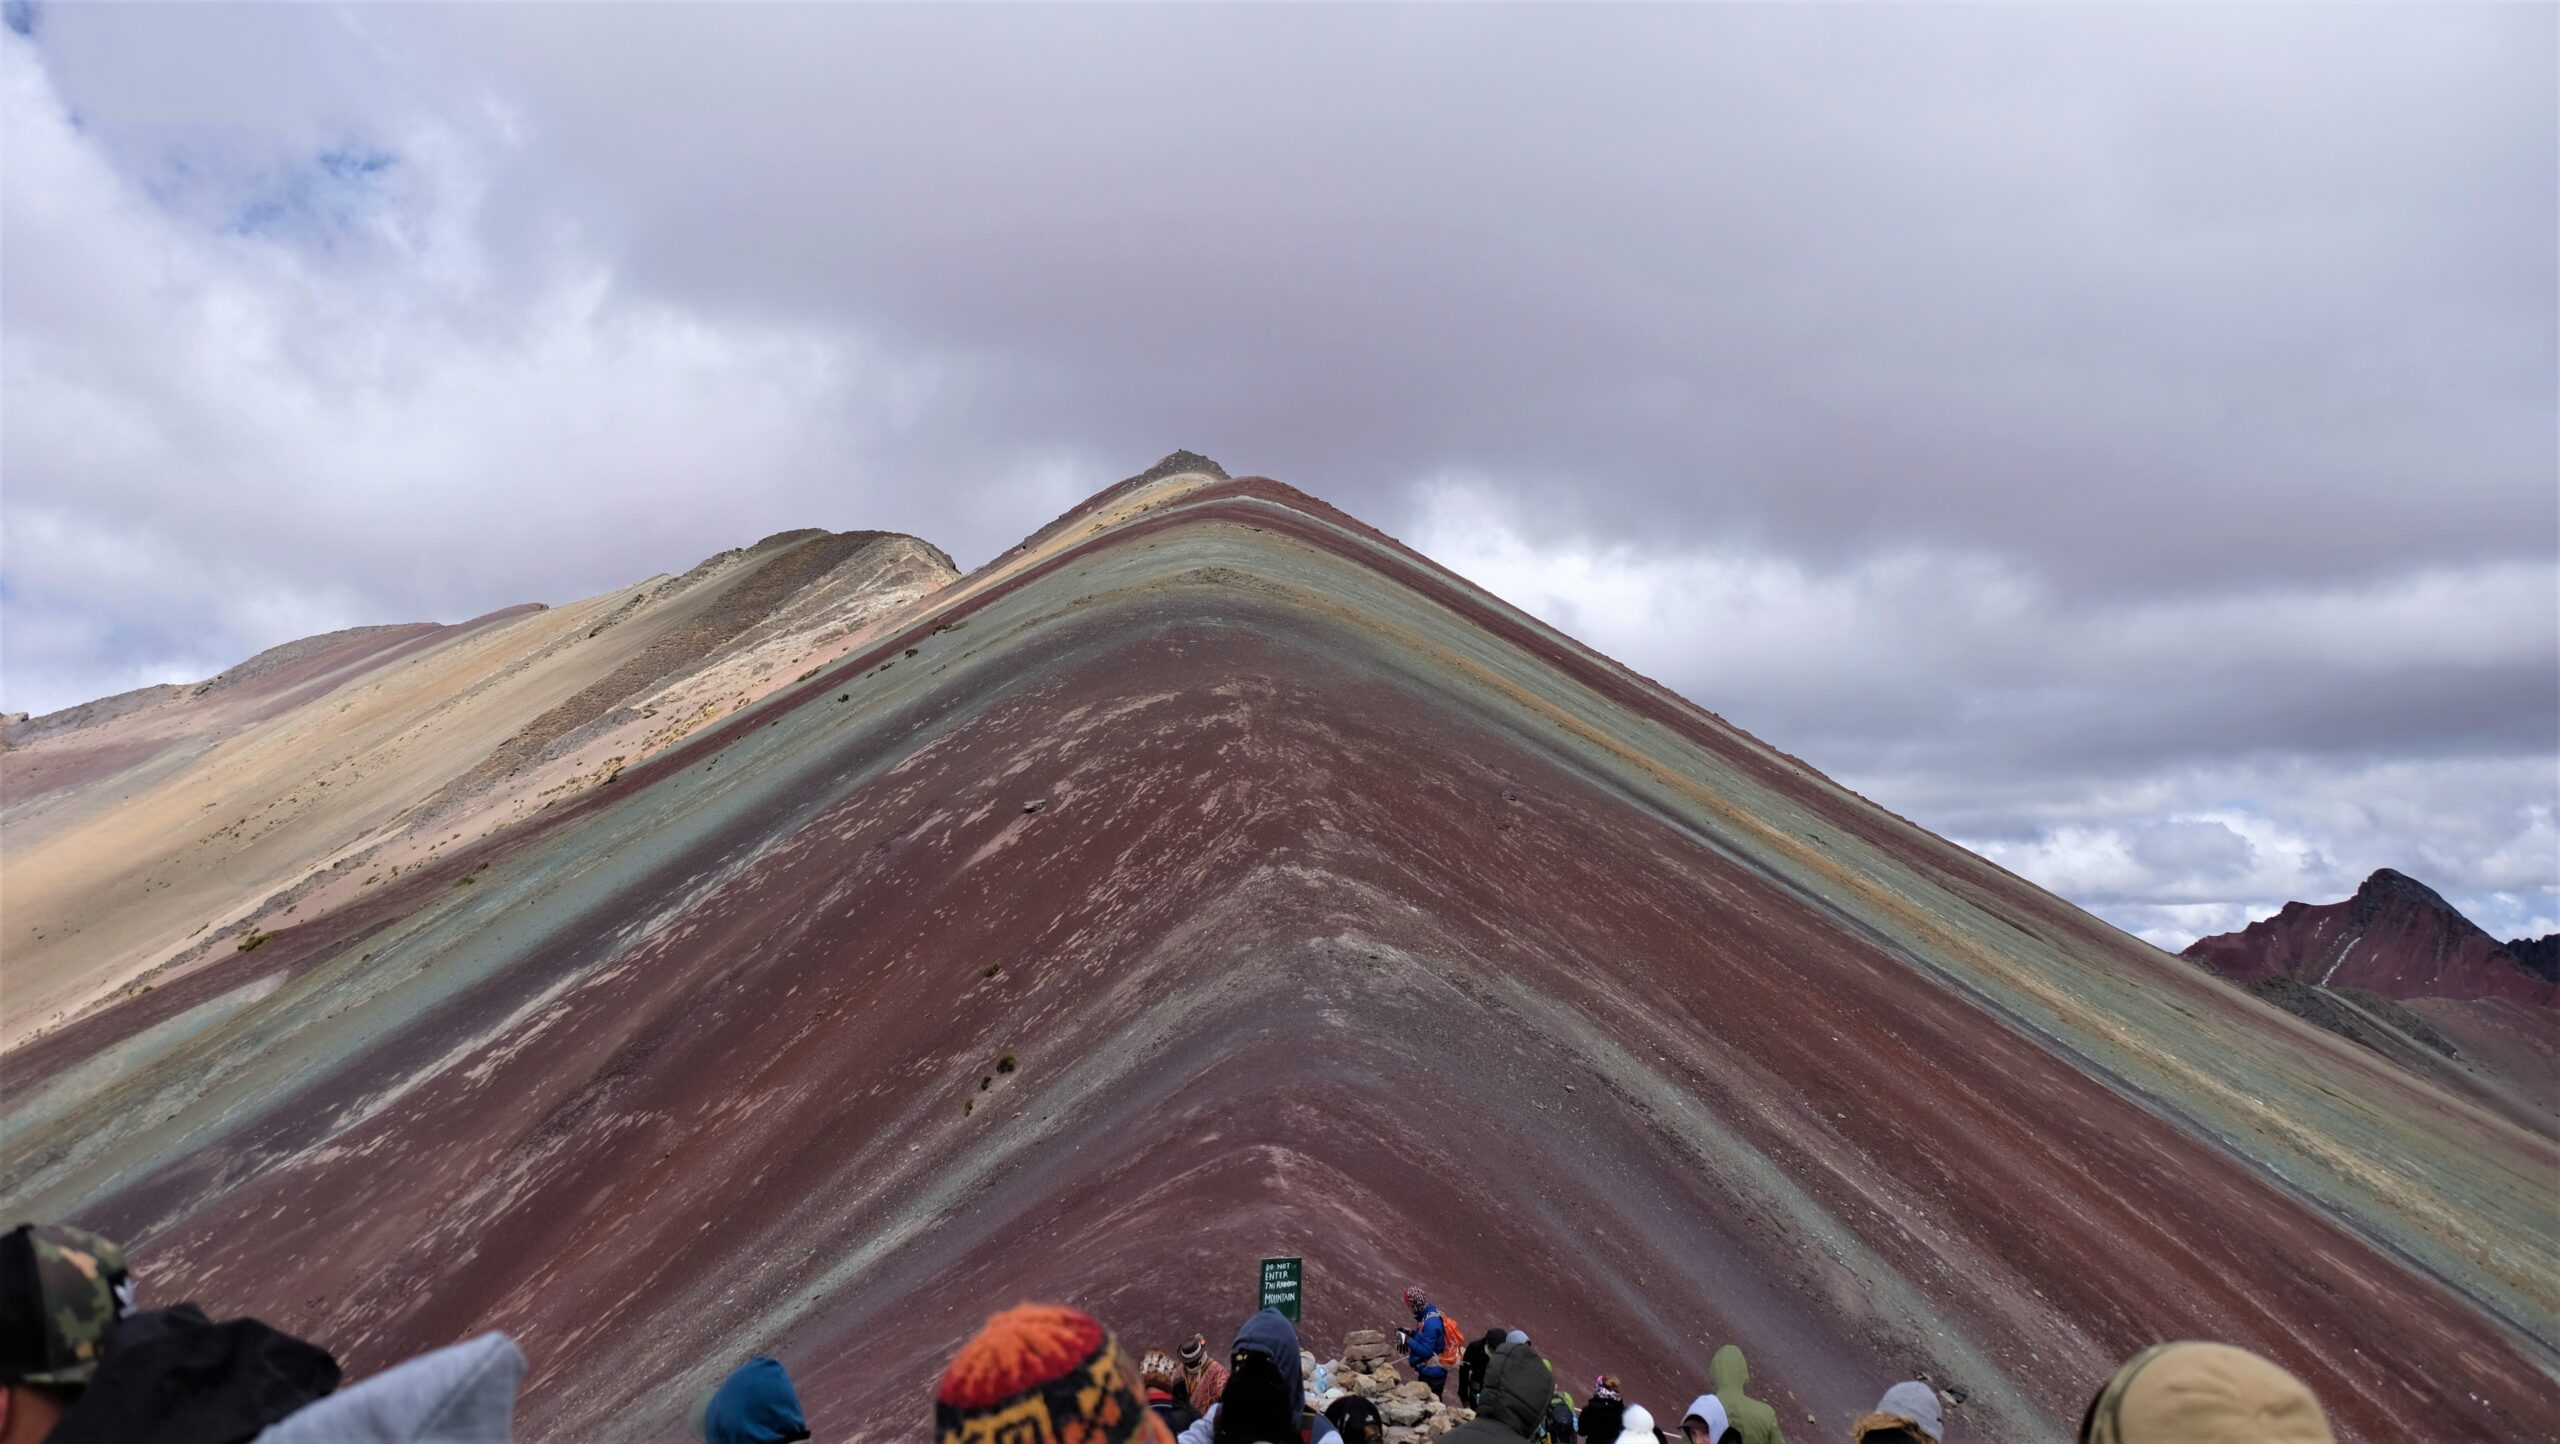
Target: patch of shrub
[
  {"x": 1005, "y": 1064},
  {"x": 252, "y": 942}
]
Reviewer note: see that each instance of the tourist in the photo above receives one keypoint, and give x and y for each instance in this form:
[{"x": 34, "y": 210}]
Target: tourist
[
  {"x": 1357, "y": 1420},
  {"x": 1042, "y": 1374},
  {"x": 1471, "y": 1365},
  {"x": 1513, "y": 1407},
  {"x": 1265, "y": 1398},
  {"x": 461, "y": 1394},
  {"x": 1427, "y": 1343},
  {"x": 1603, "y": 1416},
  {"x": 80, "y": 1365},
  {"x": 1907, "y": 1414},
  {"x": 754, "y": 1405},
  {"x": 1560, "y": 1418},
  {"x": 1161, "y": 1377},
  {"x": 1705, "y": 1423},
  {"x": 1202, "y": 1375},
  {"x": 2203, "y": 1394},
  {"x": 1754, "y": 1421},
  {"x": 1636, "y": 1427}
]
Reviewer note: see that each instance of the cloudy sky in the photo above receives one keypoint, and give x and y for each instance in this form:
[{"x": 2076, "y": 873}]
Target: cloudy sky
[{"x": 2122, "y": 439}]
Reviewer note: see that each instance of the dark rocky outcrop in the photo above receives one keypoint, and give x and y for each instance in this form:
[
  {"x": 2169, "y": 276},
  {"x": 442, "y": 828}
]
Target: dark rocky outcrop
[{"x": 2540, "y": 956}]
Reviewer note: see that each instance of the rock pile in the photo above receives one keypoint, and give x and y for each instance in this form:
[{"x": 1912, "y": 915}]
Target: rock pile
[{"x": 1367, "y": 1369}]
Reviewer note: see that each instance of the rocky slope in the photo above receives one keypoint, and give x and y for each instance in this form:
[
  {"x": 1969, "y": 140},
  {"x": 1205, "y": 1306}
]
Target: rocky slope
[
  {"x": 2396, "y": 937},
  {"x": 1211, "y": 878}
]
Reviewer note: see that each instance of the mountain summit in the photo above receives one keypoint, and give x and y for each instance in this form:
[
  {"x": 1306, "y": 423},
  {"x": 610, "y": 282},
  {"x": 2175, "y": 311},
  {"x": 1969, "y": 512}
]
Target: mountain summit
[
  {"x": 1209, "y": 878},
  {"x": 2396, "y": 936}
]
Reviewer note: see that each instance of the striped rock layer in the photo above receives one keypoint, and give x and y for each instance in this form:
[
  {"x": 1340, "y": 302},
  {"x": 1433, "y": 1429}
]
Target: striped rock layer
[{"x": 1211, "y": 878}]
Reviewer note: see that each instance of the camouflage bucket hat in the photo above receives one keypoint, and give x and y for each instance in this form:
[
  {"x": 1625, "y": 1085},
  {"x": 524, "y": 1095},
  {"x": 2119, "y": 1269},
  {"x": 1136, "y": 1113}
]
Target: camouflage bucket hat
[{"x": 62, "y": 1292}]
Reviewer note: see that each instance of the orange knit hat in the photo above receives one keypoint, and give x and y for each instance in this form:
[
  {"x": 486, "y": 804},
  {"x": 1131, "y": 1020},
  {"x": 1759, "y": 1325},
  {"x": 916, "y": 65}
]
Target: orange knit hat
[{"x": 1042, "y": 1374}]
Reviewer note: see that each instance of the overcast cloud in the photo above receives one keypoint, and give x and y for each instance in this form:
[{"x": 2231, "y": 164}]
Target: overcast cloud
[{"x": 2121, "y": 439}]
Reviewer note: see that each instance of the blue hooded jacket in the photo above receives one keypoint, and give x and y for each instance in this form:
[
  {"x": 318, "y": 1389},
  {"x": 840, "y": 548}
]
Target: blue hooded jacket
[
  {"x": 1271, "y": 1335},
  {"x": 755, "y": 1405},
  {"x": 1423, "y": 1345}
]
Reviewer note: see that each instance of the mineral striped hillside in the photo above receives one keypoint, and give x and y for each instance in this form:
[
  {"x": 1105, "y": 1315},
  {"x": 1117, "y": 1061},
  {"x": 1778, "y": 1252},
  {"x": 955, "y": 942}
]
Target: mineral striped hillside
[{"x": 1209, "y": 877}]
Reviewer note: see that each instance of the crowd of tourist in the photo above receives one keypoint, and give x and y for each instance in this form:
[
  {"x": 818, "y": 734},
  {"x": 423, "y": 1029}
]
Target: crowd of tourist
[{"x": 81, "y": 1364}]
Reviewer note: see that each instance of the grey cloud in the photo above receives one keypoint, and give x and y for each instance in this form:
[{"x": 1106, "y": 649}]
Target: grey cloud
[{"x": 2145, "y": 297}]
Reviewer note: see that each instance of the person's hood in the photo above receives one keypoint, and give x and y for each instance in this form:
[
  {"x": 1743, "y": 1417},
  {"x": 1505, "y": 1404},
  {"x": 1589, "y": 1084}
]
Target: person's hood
[
  {"x": 1636, "y": 1426},
  {"x": 2193, "y": 1393},
  {"x": 173, "y": 1376},
  {"x": 1517, "y": 1386},
  {"x": 1711, "y": 1409},
  {"x": 1271, "y": 1334},
  {"x": 1918, "y": 1403},
  {"x": 1731, "y": 1374},
  {"x": 465, "y": 1394},
  {"x": 754, "y": 1405}
]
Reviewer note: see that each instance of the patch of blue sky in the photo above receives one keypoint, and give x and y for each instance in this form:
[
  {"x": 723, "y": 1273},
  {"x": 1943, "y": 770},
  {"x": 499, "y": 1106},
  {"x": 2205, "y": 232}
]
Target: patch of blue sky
[
  {"x": 21, "y": 16},
  {"x": 321, "y": 202}
]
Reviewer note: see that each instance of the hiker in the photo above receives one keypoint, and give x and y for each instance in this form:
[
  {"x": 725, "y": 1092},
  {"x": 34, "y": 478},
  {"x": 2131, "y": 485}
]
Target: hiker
[
  {"x": 1560, "y": 1420},
  {"x": 1430, "y": 1346},
  {"x": 754, "y": 1405},
  {"x": 1754, "y": 1421},
  {"x": 461, "y": 1394},
  {"x": 1907, "y": 1414},
  {"x": 1602, "y": 1416},
  {"x": 80, "y": 1365},
  {"x": 1705, "y": 1423},
  {"x": 1357, "y": 1420},
  {"x": 1042, "y": 1374},
  {"x": 1471, "y": 1365},
  {"x": 1513, "y": 1407},
  {"x": 1161, "y": 1377},
  {"x": 1202, "y": 1376},
  {"x": 1265, "y": 1398},
  {"x": 1636, "y": 1427},
  {"x": 2194, "y": 1393}
]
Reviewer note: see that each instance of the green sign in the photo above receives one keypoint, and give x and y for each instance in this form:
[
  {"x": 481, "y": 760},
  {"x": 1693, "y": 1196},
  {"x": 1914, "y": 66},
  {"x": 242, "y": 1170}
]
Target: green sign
[{"x": 1280, "y": 1280}]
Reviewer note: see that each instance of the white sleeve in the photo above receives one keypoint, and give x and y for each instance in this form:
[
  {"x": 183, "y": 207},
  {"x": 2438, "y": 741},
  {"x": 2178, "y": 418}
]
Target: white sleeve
[{"x": 1198, "y": 1433}]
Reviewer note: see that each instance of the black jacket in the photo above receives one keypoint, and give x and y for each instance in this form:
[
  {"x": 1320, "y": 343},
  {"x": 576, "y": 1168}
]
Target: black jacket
[
  {"x": 173, "y": 1376},
  {"x": 1512, "y": 1406},
  {"x": 1471, "y": 1365},
  {"x": 1602, "y": 1419},
  {"x": 1176, "y": 1413}
]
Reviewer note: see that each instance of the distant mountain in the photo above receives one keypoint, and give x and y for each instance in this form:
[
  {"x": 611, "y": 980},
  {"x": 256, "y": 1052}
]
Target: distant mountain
[{"x": 2396, "y": 937}]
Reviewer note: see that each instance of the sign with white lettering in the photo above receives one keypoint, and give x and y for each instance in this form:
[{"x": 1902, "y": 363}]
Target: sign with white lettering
[{"x": 1281, "y": 1278}]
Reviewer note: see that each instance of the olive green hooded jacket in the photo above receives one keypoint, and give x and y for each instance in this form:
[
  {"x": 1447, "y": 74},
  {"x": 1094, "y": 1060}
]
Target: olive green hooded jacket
[{"x": 1757, "y": 1422}]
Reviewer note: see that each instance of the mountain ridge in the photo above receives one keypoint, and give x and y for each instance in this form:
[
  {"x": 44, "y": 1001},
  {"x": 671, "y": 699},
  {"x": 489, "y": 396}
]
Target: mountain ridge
[{"x": 1212, "y": 876}]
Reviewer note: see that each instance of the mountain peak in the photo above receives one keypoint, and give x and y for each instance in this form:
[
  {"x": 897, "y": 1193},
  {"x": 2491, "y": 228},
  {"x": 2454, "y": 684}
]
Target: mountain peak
[{"x": 2396, "y": 936}]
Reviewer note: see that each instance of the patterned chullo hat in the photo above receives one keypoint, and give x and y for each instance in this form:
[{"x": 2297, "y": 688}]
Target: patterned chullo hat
[
  {"x": 1041, "y": 1374},
  {"x": 63, "y": 1290}
]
